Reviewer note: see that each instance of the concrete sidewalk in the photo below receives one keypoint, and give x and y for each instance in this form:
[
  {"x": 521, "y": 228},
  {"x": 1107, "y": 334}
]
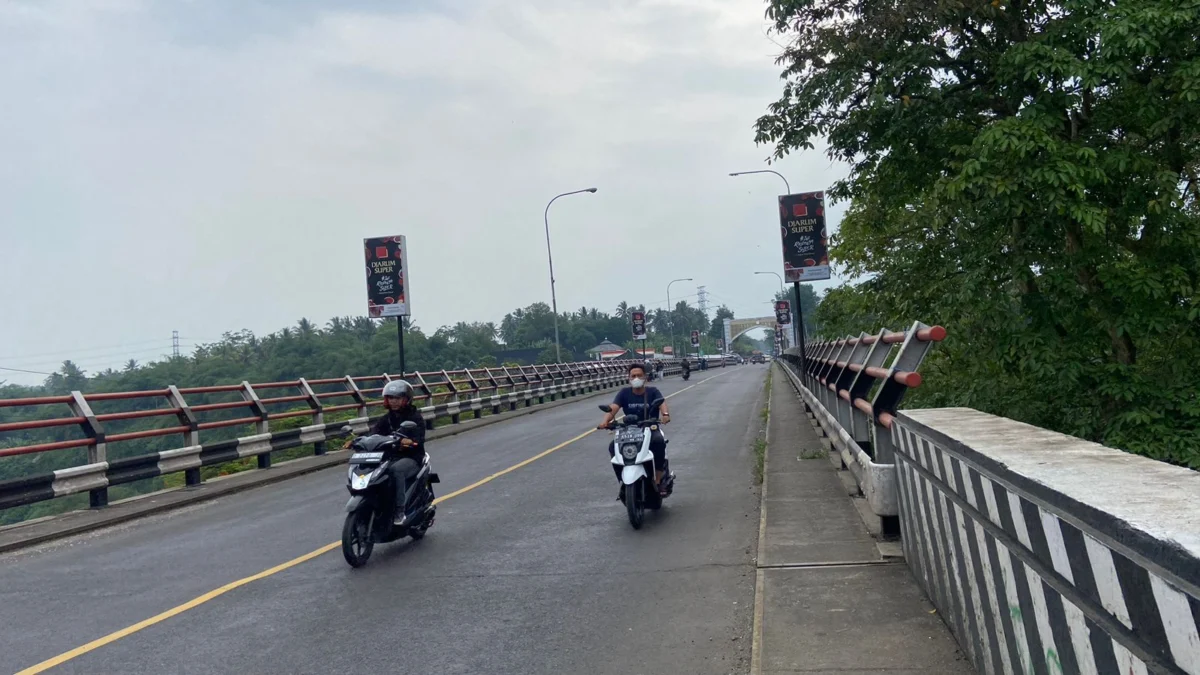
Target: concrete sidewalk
[{"x": 826, "y": 601}]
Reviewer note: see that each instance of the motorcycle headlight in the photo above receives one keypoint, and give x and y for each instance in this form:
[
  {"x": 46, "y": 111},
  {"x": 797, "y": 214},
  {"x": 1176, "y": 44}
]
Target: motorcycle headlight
[
  {"x": 360, "y": 481},
  {"x": 629, "y": 450}
]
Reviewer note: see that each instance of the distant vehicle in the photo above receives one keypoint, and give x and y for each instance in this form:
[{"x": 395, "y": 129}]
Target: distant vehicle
[{"x": 758, "y": 357}]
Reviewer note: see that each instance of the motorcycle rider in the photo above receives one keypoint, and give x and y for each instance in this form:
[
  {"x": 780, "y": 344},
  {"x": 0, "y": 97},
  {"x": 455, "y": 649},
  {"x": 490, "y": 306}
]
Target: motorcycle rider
[
  {"x": 687, "y": 367},
  {"x": 397, "y": 399},
  {"x": 635, "y": 400}
]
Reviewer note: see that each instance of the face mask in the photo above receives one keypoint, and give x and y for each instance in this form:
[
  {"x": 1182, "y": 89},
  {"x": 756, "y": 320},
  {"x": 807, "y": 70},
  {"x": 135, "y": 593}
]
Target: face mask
[{"x": 637, "y": 383}]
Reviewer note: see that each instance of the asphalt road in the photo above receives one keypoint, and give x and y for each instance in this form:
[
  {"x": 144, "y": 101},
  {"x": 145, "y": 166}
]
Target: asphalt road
[{"x": 537, "y": 571}]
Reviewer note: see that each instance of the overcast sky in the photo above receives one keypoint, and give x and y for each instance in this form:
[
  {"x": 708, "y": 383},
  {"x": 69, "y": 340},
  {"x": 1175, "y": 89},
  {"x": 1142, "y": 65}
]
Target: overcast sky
[{"x": 213, "y": 165}]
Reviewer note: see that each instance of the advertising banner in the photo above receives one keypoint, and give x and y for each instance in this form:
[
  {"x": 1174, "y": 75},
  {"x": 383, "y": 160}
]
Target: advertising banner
[
  {"x": 387, "y": 277},
  {"x": 639, "y": 325},
  {"x": 695, "y": 338},
  {"x": 783, "y": 312},
  {"x": 805, "y": 241}
]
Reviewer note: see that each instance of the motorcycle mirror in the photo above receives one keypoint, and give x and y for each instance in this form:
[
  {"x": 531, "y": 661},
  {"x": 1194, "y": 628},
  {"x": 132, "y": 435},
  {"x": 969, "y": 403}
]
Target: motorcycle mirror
[
  {"x": 408, "y": 425},
  {"x": 603, "y": 407},
  {"x": 657, "y": 402}
]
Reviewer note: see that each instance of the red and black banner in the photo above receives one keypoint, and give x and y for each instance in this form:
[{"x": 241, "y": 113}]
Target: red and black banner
[
  {"x": 639, "y": 325},
  {"x": 783, "y": 312},
  {"x": 805, "y": 241},
  {"x": 387, "y": 272}
]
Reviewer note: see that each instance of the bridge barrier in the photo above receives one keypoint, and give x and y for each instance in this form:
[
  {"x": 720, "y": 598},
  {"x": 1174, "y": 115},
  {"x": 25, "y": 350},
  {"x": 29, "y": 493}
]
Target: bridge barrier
[
  {"x": 445, "y": 395},
  {"x": 1045, "y": 553},
  {"x": 853, "y": 386}
]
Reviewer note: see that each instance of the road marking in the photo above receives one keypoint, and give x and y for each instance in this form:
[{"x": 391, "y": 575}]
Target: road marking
[
  {"x": 194, "y": 602},
  {"x": 218, "y": 592},
  {"x": 510, "y": 469}
]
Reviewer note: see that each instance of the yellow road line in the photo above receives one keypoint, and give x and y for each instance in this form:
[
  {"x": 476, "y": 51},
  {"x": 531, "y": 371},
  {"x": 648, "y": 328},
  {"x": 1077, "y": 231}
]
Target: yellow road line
[
  {"x": 512, "y": 468},
  {"x": 157, "y": 618},
  {"x": 218, "y": 592}
]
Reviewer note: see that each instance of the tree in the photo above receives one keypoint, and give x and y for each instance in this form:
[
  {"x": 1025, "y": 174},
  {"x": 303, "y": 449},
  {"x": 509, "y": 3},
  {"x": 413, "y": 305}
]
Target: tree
[
  {"x": 69, "y": 377},
  {"x": 1027, "y": 173},
  {"x": 717, "y": 330}
]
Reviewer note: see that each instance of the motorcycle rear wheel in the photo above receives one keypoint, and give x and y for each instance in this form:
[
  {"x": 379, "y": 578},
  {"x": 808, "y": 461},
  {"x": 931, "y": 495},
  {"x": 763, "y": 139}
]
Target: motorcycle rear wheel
[{"x": 357, "y": 542}]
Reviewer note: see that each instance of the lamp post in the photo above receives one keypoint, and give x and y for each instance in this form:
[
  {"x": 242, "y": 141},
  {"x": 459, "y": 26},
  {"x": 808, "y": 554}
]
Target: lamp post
[
  {"x": 550, "y": 259},
  {"x": 671, "y": 313},
  {"x": 785, "y": 183}
]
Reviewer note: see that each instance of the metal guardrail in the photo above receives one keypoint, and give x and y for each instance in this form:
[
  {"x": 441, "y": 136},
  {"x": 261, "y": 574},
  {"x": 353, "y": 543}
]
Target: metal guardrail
[
  {"x": 442, "y": 394},
  {"x": 853, "y": 387}
]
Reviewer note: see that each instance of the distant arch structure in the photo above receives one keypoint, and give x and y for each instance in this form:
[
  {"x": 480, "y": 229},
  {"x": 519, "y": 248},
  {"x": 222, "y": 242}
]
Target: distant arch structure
[{"x": 735, "y": 328}]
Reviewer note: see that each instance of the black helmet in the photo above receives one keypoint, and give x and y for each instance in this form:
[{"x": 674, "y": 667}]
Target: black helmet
[{"x": 398, "y": 388}]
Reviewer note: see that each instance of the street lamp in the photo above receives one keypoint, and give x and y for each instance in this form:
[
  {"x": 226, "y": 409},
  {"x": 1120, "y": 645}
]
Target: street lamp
[
  {"x": 785, "y": 183},
  {"x": 550, "y": 258},
  {"x": 781, "y": 292},
  {"x": 797, "y": 329},
  {"x": 671, "y": 313}
]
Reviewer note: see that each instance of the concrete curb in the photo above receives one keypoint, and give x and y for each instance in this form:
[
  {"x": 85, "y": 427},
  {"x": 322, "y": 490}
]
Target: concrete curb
[
  {"x": 42, "y": 530},
  {"x": 759, "y": 581}
]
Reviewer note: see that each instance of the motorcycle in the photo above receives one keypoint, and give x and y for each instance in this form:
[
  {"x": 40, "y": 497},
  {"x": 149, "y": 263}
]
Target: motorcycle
[
  {"x": 369, "y": 513},
  {"x": 687, "y": 372},
  {"x": 632, "y": 437}
]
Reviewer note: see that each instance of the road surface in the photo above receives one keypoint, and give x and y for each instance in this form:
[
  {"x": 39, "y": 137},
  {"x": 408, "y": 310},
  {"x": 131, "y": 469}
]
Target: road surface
[{"x": 536, "y": 571}]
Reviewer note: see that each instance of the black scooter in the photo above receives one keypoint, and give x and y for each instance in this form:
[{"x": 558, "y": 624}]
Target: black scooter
[{"x": 369, "y": 513}]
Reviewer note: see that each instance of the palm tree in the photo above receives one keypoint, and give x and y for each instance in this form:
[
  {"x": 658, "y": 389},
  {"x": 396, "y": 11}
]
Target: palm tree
[
  {"x": 305, "y": 329},
  {"x": 623, "y": 310},
  {"x": 131, "y": 365}
]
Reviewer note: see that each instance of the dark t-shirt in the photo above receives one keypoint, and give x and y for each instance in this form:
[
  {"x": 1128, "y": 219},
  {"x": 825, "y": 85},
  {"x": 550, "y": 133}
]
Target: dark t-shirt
[
  {"x": 636, "y": 404},
  {"x": 393, "y": 419}
]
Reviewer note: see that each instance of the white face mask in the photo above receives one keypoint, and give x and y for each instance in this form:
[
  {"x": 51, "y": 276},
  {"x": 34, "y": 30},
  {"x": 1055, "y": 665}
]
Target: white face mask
[{"x": 637, "y": 383}]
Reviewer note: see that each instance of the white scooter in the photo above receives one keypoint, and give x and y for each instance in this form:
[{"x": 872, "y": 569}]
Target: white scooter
[{"x": 632, "y": 438}]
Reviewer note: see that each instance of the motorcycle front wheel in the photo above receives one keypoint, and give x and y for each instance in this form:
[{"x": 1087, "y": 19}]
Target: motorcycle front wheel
[
  {"x": 356, "y": 538},
  {"x": 635, "y": 504}
]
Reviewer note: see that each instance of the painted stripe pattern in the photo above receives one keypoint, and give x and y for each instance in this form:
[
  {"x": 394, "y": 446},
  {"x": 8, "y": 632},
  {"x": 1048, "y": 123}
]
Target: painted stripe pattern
[
  {"x": 73, "y": 480},
  {"x": 1027, "y": 588}
]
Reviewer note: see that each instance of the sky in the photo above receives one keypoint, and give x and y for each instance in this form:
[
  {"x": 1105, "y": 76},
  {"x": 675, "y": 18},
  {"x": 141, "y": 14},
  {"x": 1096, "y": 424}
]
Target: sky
[{"x": 205, "y": 166}]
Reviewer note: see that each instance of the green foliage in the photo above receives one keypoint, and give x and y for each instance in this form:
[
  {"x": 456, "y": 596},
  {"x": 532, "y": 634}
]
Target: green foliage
[{"x": 1025, "y": 173}]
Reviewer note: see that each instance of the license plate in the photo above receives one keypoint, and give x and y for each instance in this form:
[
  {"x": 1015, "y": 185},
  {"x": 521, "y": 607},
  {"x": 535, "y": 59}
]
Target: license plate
[
  {"x": 366, "y": 457},
  {"x": 630, "y": 435}
]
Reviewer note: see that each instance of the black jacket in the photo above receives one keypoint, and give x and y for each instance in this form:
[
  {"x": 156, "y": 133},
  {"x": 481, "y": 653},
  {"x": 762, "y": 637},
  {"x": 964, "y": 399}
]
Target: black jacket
[{"x": 394, "y": 418}]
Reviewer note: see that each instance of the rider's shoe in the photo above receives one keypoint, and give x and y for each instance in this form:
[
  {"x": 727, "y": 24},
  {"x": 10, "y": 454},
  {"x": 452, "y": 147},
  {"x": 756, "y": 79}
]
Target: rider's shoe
[{"x": 667, "y": 485}]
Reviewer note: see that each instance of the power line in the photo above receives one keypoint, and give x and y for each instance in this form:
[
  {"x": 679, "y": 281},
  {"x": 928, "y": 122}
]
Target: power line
[
  {"x": 83, "y": 349},
  {"x": 22, "y": 370},
  {"x": 92, "y": 358}
]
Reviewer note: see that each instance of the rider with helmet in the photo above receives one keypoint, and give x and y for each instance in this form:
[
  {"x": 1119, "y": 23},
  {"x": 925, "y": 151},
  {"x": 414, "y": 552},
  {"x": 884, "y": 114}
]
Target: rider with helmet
[{"x": 397, "y": 399}]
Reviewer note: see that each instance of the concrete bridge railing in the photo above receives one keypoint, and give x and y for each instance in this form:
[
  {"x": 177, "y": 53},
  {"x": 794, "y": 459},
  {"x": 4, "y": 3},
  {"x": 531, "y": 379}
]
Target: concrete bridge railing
[{"x": 1045, "y": 553}]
